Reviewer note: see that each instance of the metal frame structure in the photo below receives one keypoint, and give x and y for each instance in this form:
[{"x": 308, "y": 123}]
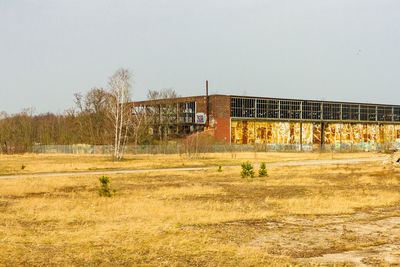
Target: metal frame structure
[
  {"x": 171, "y": 112},
  {"x": 311, "y": 110}
]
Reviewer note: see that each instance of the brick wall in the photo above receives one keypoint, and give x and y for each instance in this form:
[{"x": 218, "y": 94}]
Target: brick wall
[{"x": 220, "y": 110}]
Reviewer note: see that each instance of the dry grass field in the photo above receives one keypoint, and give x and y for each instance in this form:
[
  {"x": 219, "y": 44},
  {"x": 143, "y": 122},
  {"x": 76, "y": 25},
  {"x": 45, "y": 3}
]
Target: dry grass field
[
  {"x": 346, "y": 214},
  {"x": 38, "y": 163}
]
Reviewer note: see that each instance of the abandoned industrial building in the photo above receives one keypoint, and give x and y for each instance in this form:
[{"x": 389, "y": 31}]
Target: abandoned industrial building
[{"x": 273, "y": 121}]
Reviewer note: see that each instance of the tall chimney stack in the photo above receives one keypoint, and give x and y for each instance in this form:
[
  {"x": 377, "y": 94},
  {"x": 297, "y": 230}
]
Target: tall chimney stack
[{"x": 207, "y": 104}]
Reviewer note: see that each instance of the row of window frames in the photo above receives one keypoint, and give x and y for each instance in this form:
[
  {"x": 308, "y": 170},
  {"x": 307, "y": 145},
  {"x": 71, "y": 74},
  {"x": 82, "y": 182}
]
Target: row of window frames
[
  {"x": 327, "y": 109},
  {"x": 286, "y": 113},
  {"x": 314, "y": 107},
  {"x": 330, "y": 110},
  {"x": 268, "y": 104}
]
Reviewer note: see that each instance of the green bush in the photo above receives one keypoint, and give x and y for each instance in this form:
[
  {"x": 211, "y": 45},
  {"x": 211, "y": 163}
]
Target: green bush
[
  {"x": 23, "y": 166},
  {"x": 105, "y": 190},
  {"x": 219, "y": 168},
  {"x": 247, "y": 170},
  {"x": 262, "y": 172}
]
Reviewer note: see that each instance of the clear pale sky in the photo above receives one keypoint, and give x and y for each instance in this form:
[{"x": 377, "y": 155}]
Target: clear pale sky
[{"x": 345, "y": 50}]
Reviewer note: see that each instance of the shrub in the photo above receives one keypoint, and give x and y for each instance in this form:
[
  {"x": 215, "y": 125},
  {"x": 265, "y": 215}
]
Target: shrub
[
  {"x": 105, "y": 190},
  {"x": 23, "y": 166},
  {"x": 247, "y": 170},
  {"x": 219, "y": 168},
  {"x": 262, "y": 172}
]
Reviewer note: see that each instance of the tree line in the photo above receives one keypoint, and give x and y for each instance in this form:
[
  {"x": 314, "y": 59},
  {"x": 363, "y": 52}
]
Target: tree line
[{"x": 99, "y": 117}]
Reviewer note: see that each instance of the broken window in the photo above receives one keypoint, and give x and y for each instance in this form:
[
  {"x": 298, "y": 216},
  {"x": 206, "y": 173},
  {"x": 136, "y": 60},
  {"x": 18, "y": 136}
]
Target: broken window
[
  {"x": 372, "y": 113},
  {"x": 381, "y": 113},
  {"x": 285, "y": 110},
  {"x": 262, "y": 108},
  {"x": 243, "y": 107},
  {"x": 307, "y": 110},
  {"x": 249, "y": 110},
  {"x": 273, "y": 109},
  {"x": 187, "y": 111},
  {"x": 388, "y": 111},
  {"x": 290, "y": 109},
  {"x": 350, "y": 112},
  {"x": 396, "y": 114},
  {"x": 331, "y": 111},
  {"x": 311, "y": 110},
  {"x": 295, "y": 110},
  {"x": 363, "y": 113},
  {"x": 236, "y": 107},
  {"x": 316, "y": 111}
]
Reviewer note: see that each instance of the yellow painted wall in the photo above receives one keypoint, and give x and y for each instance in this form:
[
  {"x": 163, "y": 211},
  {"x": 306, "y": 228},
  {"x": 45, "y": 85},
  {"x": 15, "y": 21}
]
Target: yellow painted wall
[{"x": 269, "y": 132}]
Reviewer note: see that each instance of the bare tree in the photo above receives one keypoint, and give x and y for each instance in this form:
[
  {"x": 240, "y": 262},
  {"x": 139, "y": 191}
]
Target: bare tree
[
  {"x": 119, "y": 109},
  {"x": 91, "y": 119},
  {"x": 140, "y": 123}
]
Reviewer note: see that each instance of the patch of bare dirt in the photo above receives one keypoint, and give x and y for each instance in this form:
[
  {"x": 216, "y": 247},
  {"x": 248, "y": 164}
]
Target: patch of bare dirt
[
  {"x": 362, "y": 239},
  {"x": 370, "y": 237}
]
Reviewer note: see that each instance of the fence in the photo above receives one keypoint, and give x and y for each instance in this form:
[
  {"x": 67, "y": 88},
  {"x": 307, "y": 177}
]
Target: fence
[{"x": 205, "y": 148}]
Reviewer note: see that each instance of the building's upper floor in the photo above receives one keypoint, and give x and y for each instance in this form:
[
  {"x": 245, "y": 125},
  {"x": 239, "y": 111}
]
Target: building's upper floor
[{"x": 246, "y": 107}]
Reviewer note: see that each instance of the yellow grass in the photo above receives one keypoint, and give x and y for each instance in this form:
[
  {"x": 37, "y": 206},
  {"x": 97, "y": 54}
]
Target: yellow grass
[
  {"x": 200, "y": 218},
  {"x": 337, "y": 204},
  {"x": 38, "y": 163}
]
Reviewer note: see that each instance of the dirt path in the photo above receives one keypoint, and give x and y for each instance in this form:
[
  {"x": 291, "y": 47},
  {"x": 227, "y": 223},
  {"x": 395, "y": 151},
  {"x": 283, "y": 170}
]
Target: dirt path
[{"x": 282, "y": 163}]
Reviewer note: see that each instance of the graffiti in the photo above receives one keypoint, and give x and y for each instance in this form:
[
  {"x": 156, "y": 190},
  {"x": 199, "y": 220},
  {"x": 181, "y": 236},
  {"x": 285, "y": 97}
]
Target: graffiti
[
  {"x": 200, "y": 118},
  {"x": 366, "y": 136}
]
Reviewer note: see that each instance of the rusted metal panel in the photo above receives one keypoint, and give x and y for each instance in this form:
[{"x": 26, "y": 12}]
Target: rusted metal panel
[
  {"x": 288, "y": 133},
  {"x": 307, "y": 133},
  {"x": 249, "y": 132},
  {"x": 261, "y": 132},
  {"x": 373, "y": 132},
  {"x": 347, "y": 133},
  {"x": 357, "y": 133},
  {"x": 331, "y": 133},
  {"x": 281, "y": 133},
  {"x": 244, "y": 132},
  {"x": 316, "y": 133},
  {"x": 237, "y": 132},
  {"x": 389, "y": 133}
]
